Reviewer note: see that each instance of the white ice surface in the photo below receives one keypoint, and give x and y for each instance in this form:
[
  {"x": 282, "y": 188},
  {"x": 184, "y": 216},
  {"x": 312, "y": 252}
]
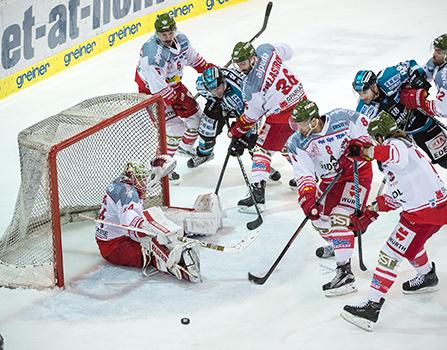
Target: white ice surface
[{"x": 108, "y": 307}]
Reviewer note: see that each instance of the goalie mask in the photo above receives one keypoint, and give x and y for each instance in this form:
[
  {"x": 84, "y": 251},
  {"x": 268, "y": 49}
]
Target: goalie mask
[{"x": 137, "y": 174}]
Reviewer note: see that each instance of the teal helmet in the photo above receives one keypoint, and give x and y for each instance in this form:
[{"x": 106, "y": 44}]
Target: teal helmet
[
  {"x": 164, "y": 23},
  {"x": 212, "y": 78},
  {"x": 383, "y": 124},
  {"x": 363, "y": 80}
]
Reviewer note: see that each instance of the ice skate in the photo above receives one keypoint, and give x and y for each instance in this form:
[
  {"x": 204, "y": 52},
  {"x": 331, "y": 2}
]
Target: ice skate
[
  {"x": 364, "y": 315},
  {"x": 325, "y": 251},
  {"x": 342, "y": 283},
  {"x": 422, "y": 283},
  {"x": 293, "y": 185},
  {"x": 246, "y": 205},
  {"x": 186, "y": 152},
  {"x": 174, "y": 178},
  {"x": 274, "y": 175},
  {"x": 197, "y": 160}
]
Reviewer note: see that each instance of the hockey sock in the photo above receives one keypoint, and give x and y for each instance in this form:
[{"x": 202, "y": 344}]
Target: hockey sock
[
  {"x": 385, "y": 274},
  {"x": 172, "y": 143},
  {"x": 421, "y": 263}
]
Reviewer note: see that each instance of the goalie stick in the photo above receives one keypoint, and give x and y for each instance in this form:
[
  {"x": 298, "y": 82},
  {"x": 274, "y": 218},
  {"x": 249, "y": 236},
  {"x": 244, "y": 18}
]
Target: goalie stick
[
  {"x": 232, "y": 249},
  {"x": 263, "y": 279}
]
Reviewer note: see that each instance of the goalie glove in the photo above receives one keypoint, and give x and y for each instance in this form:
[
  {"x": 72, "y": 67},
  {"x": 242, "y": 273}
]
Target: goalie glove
[{"x": 161, "y": 166}]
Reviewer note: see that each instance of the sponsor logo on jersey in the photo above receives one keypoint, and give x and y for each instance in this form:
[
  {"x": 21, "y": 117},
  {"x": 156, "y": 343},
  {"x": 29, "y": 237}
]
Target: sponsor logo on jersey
[
  {"x": 437, "y": 146},
  {"x": 401, "y": 239},
  {"x": 387, "y": 261},
  {"x": 337, "y": 126},
  {"x": 260, "y": 69},
  {"x": 341, "y": 243},
  {"x": 393, "y": 82}
]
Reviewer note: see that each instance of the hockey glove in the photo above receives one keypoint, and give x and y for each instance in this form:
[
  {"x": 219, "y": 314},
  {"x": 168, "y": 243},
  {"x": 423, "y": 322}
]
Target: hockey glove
[
  {"x": 386, "y": 203},
  {"x": 418, "y": 80},
  {"x": 344, "y": 163},
  {"x": 356, "y": 150},
  {"x": 415, "y": 98},
  {"x": 308, "y": 203},
  {"x": 238, "y": 145},
  {"x": 361, "y": 223},
  {"x": 240, "y": 126}
]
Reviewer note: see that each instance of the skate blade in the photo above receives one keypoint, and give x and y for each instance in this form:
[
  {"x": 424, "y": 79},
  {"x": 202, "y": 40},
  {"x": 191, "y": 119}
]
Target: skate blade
[
  {"x": 360, "y": 322},
  {"x": 252, "y": 209},
  {"x": 422, "y": 290},
  {"x": 346, "y": 289}
]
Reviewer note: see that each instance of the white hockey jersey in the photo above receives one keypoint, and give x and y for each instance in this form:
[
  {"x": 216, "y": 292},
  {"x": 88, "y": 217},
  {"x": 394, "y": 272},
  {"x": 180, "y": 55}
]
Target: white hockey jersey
[
  {"x": 439, "y": 76},
  {"x": 271, "y": 87},
  {"x": 161, "y": 67},
  {"x": 412, "y": 182},
  {"x": 318, "y": 154},
  {"x": 121, "y": 205}
]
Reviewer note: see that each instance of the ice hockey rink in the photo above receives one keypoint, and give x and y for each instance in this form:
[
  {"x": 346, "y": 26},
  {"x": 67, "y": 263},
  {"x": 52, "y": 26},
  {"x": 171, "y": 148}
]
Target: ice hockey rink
[{"x": 109, "y": 307}]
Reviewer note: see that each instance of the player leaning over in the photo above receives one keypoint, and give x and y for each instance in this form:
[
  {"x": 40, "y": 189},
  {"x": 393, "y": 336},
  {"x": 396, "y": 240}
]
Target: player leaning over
[
  {"x": 222, "y": 89},
  {"x": 318, "y": 150},
  {"x": 436, "y": 70},
  {"x": 123, "y": 205},
  {"x": 383, "y": 93},
  {"x": 270, "y": 89},
  {"x": 424, "y": 212},
  {"x": 160, "y": 70}
]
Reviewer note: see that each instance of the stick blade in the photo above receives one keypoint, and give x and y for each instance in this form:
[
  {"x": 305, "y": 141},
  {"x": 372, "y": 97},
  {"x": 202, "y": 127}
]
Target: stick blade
[
  {"x": 253, "y": 225},
  {"x": 255, "y": 279}
]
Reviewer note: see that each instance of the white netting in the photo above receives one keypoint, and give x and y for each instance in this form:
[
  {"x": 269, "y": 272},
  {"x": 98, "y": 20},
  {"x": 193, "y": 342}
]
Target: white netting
[{"x": 84, "y": 169}]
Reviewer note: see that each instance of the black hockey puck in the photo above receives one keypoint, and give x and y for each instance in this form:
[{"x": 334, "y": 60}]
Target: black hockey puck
[{"x": 185, "y": 320}]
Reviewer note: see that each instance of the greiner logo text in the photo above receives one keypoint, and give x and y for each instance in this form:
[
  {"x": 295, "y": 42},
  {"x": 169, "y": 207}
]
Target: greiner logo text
[
  {"x": 211, "y": 3},
  {"x": 34, "y": 72},
  {"x": 79, "y": 52},
  {"x": 123, "y": 33}
]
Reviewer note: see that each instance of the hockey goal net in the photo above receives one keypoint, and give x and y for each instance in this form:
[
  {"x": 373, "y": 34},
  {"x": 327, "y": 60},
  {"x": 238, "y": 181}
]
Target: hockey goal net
[{"x": 66, "y": 163}]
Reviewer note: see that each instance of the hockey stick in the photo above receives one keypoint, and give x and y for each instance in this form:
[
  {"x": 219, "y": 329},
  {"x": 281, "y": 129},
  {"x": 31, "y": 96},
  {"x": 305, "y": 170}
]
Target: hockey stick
[
  {"x": 258, "y": 221},
  {"x": 235, "y": 248},
  {"x": 263, "y": 279},
  {"x": 224, "y": 167},
  {"x": 358, "y": 213},
  {"x": 268, "y": 9}
]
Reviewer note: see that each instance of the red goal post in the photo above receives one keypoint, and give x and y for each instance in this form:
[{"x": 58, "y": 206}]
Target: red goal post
[{"x": 66, "y": 162}]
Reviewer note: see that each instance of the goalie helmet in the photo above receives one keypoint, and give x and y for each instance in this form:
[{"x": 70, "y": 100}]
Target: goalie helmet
[
  {"x": 242, "y": 51},
  {"x": 364, "y": 80},
  {"x": 164, "y": 23},
  {"x": 137, "y": 174},
  {"x": 212, "y": 78},
  {"x": 305, "y": 110},
  {"x": 383, "y": 124},
  {"x": 441, "y": 42}
]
